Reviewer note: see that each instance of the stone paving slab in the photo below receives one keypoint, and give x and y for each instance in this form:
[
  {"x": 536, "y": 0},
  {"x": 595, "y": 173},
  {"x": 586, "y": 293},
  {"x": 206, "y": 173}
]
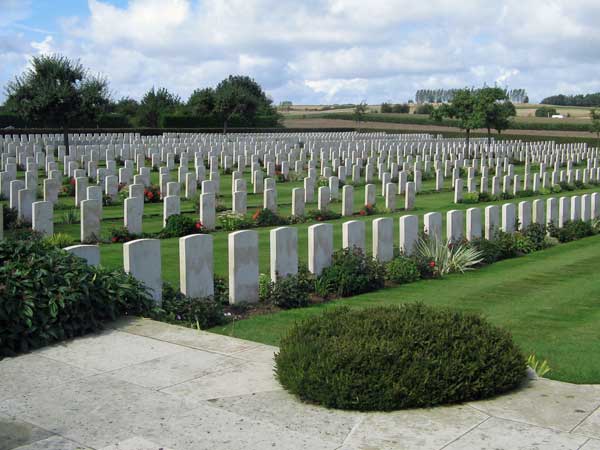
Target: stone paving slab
[{"x": 145, "y": 385}]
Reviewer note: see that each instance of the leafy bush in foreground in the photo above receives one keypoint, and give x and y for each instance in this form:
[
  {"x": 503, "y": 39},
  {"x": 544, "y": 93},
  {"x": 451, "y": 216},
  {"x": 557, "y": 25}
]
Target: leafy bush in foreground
[
  {"x": 292, "y": 291},
  {"x": 402, "y": 270},
  {"x": 47, "y": 295},
  {"x": 390, "y": 358}
]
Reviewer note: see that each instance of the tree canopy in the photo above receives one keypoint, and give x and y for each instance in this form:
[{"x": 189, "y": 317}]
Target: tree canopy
[{"x": 57, "y": 92}]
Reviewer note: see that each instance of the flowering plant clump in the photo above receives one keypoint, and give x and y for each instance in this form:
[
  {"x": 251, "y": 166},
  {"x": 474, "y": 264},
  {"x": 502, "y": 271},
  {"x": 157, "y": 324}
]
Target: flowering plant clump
[
  {"x": 121, "y": 186},
  {"x": 69, "y": 187},
  {"x": 152, "y": 194},
  {"x": 265, "y": 218},
  {"x": 179, "y": 226},
  {"x": 368, "y": 210},
  {"x": 121, "y": 235}
]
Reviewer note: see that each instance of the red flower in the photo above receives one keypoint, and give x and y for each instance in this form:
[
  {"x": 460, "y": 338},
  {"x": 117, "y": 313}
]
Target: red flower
[
  {"x": 72, "y": 181},
  {"x": 432, "y": 264},
  {"x": 363, "y": 212},
  {"x": 150, "y": 195},
  {"x": 198, "y": 225},
  {"x": 256, "y": 214},
  {"x": 114, "y": 239}
]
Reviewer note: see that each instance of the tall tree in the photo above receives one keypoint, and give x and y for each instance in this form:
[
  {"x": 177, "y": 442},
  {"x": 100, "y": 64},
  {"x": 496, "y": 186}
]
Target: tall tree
[
  {"x": 360, "y": 111},
  {"x": 202, "y": 102},
  {"x": 57, "y": 92},
  {"x": 154, "y": 104},
  {"x": 464, "y": 108},
  {"x": 242, "y": 97},
  {"x": 495, "y": 109},
  {"x": 595, "y": 125}
]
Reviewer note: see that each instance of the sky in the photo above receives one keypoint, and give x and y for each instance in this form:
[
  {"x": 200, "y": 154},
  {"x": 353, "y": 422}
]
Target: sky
[{"x": 313, "y": 51}]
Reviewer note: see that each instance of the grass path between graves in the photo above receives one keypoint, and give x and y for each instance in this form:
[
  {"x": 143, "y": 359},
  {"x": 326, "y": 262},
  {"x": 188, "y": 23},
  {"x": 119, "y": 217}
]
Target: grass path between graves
[{"x": 549, "y": 301}]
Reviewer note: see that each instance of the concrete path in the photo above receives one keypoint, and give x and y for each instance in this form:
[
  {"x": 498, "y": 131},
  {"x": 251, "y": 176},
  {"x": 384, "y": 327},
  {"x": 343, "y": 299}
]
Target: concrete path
[{"x": 145, "y": 385}]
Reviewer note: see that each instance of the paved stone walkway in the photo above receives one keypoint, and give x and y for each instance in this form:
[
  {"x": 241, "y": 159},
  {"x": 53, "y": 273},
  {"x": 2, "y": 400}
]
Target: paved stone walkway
[{"x": 145, "y": 385}]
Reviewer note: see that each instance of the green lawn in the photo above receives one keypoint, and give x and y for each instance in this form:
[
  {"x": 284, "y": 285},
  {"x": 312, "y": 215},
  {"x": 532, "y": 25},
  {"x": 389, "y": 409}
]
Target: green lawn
[
  {"x": 549, "y": 300},
  {"x": 112, "y": 254}
]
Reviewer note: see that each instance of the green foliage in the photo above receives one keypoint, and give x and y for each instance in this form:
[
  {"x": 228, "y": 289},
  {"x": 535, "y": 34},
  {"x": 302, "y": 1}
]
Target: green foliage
[
  {"x": 424, "y": 109},
  {"x": 351, "y": 273},
  {"x": 291, "y": 291},
  {"x": 322, "y": 215},
  {"x": 502, "y": 246},
  {"x": 572, "y": 230},
  {"x": 545, "y": 111},
  {"x": 200, "y": 313},
  {"x": 121, "y": 235},
  {"x": 60, "y": 240},
  {"x": 234, "y": 221},
  {"x": 267, "y": 218},
  {"x": 573, "y": 100},
  {"x": 180, "y": 226},
  {"x": 70, "y": 216},
  {"x": 388, "y": 358},
  {"x": 442, "y": 257},
  {"x": 402, "y": 270},
  {"x": 56, "y": 91},
  {"x": 10, "y": 217},
  {"x": 48, "y": 295},
  {"x": 540, "y": 368},
  {"x": 154, "y": 104},
  {"x": 495, "y": 108},
  {"x": 152, "y": 194}
]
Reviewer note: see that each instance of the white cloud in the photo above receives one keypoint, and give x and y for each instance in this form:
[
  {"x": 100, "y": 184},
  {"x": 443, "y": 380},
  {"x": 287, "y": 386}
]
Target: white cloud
[{"x": 318, "y": 51}]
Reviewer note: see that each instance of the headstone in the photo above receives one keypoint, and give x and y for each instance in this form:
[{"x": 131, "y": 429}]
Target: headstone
[
  {"x": 409, "y": 234},
  {"x": 284, "y": 252},
  {"x": 353, "y": 235},
  {"x": 141, "y": 259},
  {"x": 508, "y": 217},
  {"x": 43, "y": 218},
  {"x": 196, "y": 266},
  {"x": 208, "y": 211},
  {"x": 90, "y": 253},
  {"x": 297, "y": 202},
  {"x": 473, "y": 224},
  {"x": 432, "y": 225},
  {"x": 492, "y": 221},
  {"x": 383, "y": 239},
  {"x": 454, "y": 225},
  {"x": 134, "y": 211},
  {"x": 347, "y": 201},
  {"x": 91, "y": 214},
  {"x": 243, "y": 267},
  {"x": 320, "y": 247}
]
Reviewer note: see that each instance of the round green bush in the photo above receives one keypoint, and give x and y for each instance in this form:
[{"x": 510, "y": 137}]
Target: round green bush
[
  {"x": 402, "y": 270},
  {"x": 387, "y": 358}
]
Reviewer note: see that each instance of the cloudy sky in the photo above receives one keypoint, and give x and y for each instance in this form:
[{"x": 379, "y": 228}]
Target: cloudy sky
[{"x": 314, "y": 51}]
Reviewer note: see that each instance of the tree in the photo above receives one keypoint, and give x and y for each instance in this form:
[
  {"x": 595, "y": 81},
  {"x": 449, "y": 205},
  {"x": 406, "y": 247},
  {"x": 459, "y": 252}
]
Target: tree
[
  {"x": 242, "y": 97},
  {"x": 595, "y": 125},
  {"x": 202, "y": 102},
  {"x": 464, "y": 108},
  {"x": 154, "y": 105},
  {"x": 495, "y": 109},
  {"x": 127, "y": 106},
  {"x": 360, "y": 111},
  {"x": 57, "y": 92}
]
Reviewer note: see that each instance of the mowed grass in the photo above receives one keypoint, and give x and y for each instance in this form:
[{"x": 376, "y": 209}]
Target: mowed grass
[{"x": 549, "y": 301}]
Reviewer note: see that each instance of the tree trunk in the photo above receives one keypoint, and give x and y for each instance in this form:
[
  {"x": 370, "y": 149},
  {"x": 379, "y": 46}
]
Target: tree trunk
[
  {"x": 66, "y": 139},
  {"x": 489, "y": 137},
  {"x": 468, "y": 131},
  {"x": 225, "y": 127}
]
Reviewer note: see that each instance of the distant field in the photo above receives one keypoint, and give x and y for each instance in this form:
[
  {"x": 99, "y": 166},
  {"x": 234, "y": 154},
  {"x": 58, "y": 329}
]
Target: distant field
[{"x": 525, "y": 112}]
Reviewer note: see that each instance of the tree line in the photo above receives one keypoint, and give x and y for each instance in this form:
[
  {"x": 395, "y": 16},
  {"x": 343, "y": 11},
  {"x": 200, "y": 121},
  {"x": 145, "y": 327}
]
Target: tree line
[
  {"x": 573, "y": 100},
  {"x": 447, "y": 95},
  {"x": 57, "y": 92}
]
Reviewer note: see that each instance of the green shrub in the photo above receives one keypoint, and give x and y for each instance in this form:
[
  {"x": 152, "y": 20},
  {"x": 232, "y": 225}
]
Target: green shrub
[
  {"x": 267, "y": 218},
  {"x": 201, "y": 313},
  {"x": 572, "y": 230},
  {"x": 502, "y": 246},
  {"x": 60, "y": 240},
  {"x": 438, "y": 258},
  {"x": 48, "y": 295},
  {"x": 179, "y": 226},
  {"x": 121, "y": 235},
  {"x": 233, "y": 221},
  {"x": 402, "y": 270},
  {"x": 10, "y": 217},
  {"x": 425, "y": 108},
  {"x": 292, "y": 291},
  {"x": 351, "y": 273},
  {"x": 387, "y": 358},
  {"x": 545, "y": 111},
  {"x": 321, "y": 216}
]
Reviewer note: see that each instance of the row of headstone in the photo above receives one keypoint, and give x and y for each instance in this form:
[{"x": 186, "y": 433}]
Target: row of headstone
[{"x": 142, "y": 257}]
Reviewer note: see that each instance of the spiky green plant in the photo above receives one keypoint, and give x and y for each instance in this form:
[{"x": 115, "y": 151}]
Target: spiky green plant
[
  {"x": 541, "y": 368},
  {"x": 448, "y": 257}
]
